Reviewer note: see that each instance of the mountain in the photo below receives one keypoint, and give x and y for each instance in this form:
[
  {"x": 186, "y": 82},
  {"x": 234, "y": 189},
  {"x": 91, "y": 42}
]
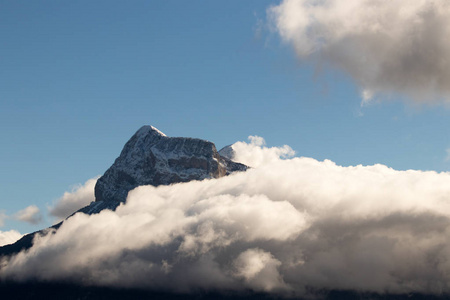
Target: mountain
[
  {"x": 152, "y": 158},
  {"x": 149, "y": 158}
]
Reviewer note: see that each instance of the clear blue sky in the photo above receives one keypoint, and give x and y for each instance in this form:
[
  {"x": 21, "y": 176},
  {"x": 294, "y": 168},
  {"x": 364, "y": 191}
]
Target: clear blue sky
[{"x": 78, "y": 78}]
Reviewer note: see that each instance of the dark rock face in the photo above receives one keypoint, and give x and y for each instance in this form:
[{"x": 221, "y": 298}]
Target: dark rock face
[{"x": 152, "y": 158}]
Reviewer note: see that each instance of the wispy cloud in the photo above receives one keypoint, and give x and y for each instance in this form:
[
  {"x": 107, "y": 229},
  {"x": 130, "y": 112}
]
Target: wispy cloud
[
  {"x": 80, "y": 196},
  {"x": 30, "y": 214},
  {"x": 447, "y": 157},
  {"x": 3, "y": 217},
  {"x": 389, "y": 48}
]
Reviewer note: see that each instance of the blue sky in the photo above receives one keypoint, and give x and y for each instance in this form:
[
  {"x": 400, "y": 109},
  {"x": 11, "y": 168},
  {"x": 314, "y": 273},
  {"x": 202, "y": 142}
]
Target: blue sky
[{"x": 77, "y": 79}]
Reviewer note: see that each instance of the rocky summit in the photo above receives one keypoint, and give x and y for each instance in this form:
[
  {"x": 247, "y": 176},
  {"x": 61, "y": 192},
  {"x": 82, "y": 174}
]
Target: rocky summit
[{"x": 152, "y": 158}]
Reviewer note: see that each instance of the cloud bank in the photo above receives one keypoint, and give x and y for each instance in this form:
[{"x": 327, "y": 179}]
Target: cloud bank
[
  {"x": 388, "y": 48},
  {"x": 288, "y": 226},
  {"x": 79, "y": 197}
]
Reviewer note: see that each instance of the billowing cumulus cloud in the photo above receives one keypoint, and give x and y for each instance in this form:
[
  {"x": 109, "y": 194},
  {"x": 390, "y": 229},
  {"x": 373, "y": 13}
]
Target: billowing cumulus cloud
[
  {"x": 288, "y": 226},
  {"x": 9, "y": 237},
  {"x": 389, "y": 48},
  {"x": 255, "y": 153},
  {"x": 30, "y": 214},
  {"x": 79, "y": 197}
]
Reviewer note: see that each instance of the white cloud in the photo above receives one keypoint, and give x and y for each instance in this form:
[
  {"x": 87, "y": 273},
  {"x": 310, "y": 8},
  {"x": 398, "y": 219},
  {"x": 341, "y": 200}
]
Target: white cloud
[
  {"x": 255, "y": 153},
  {"x": 79, "y": 197},
  {"x": 389, "y": 48},
  {"x": 289, "y": 226},
  {"x": 9, "y": 237},
  {"x": 30, "y": 214}
]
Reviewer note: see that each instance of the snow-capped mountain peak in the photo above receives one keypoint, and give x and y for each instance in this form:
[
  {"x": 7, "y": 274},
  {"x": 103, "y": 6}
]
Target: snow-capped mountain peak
[{"x": 152, "y": 158}]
